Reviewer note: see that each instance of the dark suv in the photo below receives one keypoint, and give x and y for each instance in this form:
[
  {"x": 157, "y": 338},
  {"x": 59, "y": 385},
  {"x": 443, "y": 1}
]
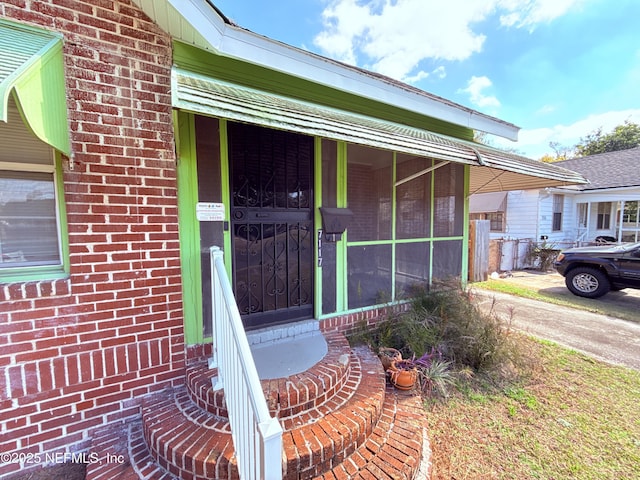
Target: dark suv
[{"x": 593, "y": 271}]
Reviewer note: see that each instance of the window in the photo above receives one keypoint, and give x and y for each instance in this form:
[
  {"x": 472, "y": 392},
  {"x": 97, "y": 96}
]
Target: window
[
  {"x": 558, "y": 207},
  {"x": 583, "y": 215},
  {"x": 604, "y": 216},
  {"x": 490, "y": 206},
  {"x": 29, "y": 223},
  {"x": 496, "y": 220}
]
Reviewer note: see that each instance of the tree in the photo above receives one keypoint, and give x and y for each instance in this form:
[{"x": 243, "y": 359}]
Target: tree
[
  {"x": 562, "y": 153},
  {"x": 622, "y": 137}
]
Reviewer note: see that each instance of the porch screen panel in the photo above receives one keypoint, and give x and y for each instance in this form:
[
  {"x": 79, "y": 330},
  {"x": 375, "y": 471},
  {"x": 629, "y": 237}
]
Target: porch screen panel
[
  {"x": 448, "y": 200},
  {"x": 209, "y": 190},
  {"x": 447, "y": 259},
  {"x": 329, "y": 199},
  {"x": 413, "y": 198},
  {"x": 412, "y": 266},
  {"x": 369, "y": 270},
  {"x": 369, "y": 190}
]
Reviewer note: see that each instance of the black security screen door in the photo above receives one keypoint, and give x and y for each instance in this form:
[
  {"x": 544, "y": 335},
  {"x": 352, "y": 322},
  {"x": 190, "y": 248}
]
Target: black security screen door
[{"x": 272, "y": 224}]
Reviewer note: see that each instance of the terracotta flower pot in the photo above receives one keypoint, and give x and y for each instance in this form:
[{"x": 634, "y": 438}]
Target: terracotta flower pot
[
  {"x": 388, "y": 356},
  {"x": 403, "y": 377}
]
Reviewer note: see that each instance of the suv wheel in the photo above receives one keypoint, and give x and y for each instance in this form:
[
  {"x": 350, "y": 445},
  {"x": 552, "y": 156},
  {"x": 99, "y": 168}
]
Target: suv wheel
[{"x": 587, "y": 282}]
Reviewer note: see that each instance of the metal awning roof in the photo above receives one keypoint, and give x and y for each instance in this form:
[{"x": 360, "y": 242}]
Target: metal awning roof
[
  {"x": 488, "y": 202},
  {"x": 32, "y": 70},
  {"x": 491, "y": 169},
  {"x": 201, "y": 24}
]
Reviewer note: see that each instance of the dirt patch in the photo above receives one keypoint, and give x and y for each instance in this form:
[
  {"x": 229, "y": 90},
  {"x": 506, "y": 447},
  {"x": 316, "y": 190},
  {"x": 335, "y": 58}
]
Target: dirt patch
[{"x": 64, "y": 471}]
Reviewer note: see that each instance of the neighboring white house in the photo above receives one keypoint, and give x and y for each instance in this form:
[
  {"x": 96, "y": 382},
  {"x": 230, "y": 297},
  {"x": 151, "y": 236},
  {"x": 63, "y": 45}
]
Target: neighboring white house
[{"x": 605, "y": 209}]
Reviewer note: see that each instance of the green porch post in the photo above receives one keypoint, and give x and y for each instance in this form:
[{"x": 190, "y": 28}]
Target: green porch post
[{"x": 188, "y": 227}]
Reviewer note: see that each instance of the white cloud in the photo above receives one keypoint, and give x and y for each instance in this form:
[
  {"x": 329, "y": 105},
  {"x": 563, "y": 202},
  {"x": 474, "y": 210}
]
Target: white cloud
[
  {"x": 546, "y": 110},
  {"x": 421, "y": 75},
  {"x": 475, "y": 89},
  {"x": 439, "y": 72},
  {"x": 535, "y": 142},
  {"x": 393, "y": 36},
  {"x": 529, "y": 13}
]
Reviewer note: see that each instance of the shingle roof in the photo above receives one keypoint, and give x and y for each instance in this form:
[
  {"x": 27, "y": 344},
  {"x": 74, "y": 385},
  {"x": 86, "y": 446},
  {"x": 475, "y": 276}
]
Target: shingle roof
[{"x": 607, "y": 170}]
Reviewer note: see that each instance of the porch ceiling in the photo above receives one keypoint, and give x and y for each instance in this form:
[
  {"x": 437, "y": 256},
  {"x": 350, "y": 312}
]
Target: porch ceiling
[{"x": 491, "y": 170}]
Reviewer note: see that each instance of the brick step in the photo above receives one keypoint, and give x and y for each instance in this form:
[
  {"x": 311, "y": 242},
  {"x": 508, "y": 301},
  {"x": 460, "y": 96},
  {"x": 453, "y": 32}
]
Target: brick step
[
  {"x": 286, "y": 397},
  {"x": 121, "y": 452},
  {"x": 397, "y": 449},
  {"x": 192, "y": 443},
  {"x": 365, "y": 430}
]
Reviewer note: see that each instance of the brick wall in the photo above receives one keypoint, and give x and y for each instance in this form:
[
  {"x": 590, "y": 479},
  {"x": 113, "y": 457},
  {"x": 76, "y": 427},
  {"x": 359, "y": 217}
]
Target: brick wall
[{"x": 80, "y": 352}]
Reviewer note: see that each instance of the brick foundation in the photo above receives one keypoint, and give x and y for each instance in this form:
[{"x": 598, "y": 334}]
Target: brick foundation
[{"x": 80, "y": 352}]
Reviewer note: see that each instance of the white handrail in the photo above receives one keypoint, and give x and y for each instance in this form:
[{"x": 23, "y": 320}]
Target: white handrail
[{"x": 257, "y": 437}]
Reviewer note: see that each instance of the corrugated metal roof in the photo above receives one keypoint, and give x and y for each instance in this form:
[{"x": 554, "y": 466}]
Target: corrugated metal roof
[
  {"x": 197, "y": 23},
  {"x": 488, "y": 202},
  {"x": 32, "y": 69},
  {"x": 20, "y": 48},
  {"x": 492, "y": 170}
]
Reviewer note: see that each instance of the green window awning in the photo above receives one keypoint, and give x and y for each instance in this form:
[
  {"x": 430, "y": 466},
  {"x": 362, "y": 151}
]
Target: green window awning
[
  {"x": 491, "y": 169},
  {"x": 32, "y": 69}
]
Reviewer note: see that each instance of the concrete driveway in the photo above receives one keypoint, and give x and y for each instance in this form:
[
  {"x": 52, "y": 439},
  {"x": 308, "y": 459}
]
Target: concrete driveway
[
  {"x": 553, "y": 282},
  {"x": 601, "y": 336}
]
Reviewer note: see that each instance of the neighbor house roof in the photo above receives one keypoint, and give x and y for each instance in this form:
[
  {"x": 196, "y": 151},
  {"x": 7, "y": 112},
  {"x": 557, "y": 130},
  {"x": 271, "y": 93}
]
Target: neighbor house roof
[{"x": 607, "y": 170}]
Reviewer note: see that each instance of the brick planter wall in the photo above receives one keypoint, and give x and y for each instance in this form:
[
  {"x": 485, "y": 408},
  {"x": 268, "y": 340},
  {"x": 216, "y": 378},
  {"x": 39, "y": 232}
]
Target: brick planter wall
[{"x": 79, "y": 353}]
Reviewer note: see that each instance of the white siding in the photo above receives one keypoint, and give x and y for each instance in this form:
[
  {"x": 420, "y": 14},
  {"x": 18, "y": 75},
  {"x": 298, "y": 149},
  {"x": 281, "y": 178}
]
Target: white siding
[{"x": 522, "y": 215}]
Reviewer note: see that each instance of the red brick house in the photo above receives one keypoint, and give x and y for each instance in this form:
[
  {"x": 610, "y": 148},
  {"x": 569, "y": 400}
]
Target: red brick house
[{"x": 120, "y": 119}]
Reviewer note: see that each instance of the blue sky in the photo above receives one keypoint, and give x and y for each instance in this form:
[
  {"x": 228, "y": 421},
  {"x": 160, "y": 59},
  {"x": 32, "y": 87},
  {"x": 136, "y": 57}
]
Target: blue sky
[{"x": 559, "y": 69}]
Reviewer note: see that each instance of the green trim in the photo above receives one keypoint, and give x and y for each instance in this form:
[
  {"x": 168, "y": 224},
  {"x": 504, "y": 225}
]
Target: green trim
[
  {"x": 342, "y": 290},
  {"x": 317, "y": 188},
  {"x": 48, "y": 272},
  {"x": 432, "y": 216},
  {"x": 63, "y": 227},
  {"x": 364, "y": 243},
  {"x": 394, "y": 206},
  {"x": 188, "y": 227},
  {"x": 33, "y": 274},
  {"x": 34, "y": 74},
  {"x": 239, "y": 72},
  {"x": 465, "y": 233}
]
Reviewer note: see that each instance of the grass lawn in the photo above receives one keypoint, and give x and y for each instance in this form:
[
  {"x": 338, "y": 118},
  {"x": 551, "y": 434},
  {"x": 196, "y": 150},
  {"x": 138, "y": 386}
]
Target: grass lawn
[{"x": 572, "y": 418}]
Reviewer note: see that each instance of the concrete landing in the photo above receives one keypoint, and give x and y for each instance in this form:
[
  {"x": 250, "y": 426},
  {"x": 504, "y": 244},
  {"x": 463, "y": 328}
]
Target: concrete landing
[{"x": 282, "y": 351}]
